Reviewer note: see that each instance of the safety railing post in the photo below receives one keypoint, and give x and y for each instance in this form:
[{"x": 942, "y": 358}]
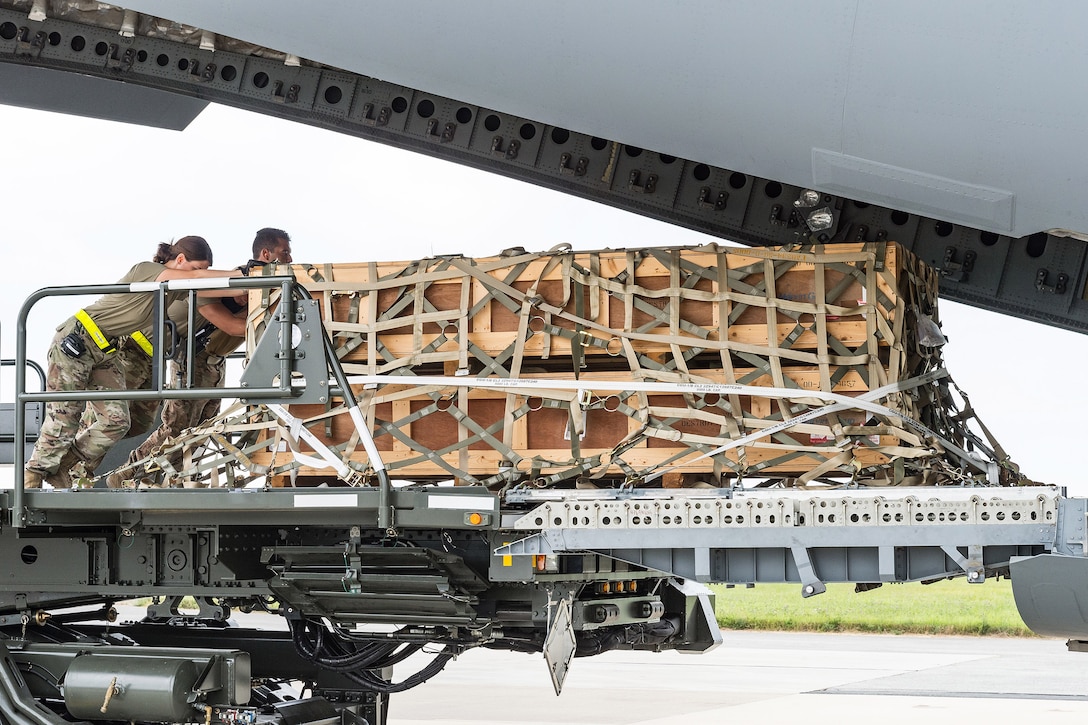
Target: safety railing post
[{"x": 158, "y": 391}]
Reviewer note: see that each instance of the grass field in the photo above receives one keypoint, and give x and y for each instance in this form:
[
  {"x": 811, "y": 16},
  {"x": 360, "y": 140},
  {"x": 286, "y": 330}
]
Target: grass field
[{"x": 946, "y": 607}]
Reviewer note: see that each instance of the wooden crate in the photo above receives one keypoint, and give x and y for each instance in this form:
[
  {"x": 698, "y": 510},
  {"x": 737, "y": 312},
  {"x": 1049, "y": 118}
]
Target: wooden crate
[{"x": 827, "y": 319}]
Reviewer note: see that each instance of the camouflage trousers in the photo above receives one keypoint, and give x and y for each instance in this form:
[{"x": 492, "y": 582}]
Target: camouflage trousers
[
  {"x": 177, "y": 415},
  {"x": 108, "y": 420},
  {"x": 136, "y": 366}
]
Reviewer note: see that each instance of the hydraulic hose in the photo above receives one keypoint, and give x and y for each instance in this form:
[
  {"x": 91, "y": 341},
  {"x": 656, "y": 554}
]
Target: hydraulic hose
[{"x": 312, "y": 644}]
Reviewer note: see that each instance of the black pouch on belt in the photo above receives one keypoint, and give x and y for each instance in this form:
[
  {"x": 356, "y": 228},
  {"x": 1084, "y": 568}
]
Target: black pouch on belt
[
  {"x": 201, "y": 336},
  {"x": 72, "y": 345}
]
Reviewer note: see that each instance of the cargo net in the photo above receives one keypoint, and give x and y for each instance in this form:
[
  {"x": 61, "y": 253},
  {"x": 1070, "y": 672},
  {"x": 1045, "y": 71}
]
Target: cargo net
[{"x": 710, "y": 366}]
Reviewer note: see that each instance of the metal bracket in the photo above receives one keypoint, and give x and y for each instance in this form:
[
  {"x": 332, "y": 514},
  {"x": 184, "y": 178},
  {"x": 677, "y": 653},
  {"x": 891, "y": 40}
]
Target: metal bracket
[
  {"x": 511, "y": 151},
  {"x": 1057, "y": 289},
  {"x": 810, "y": 583},
  {"x": 119, "y": 60},
  {"x": 719, "y": 201},
  {"x": 31, "y": 47},
  {"x": 353, "y": 562},
  {"x": 444, "y": 136},
  {"x": 290, "y": 97},
  {"x": 776, "y": 217},
  {"x": 208, "y": 680},
  {"x": 634, "y": 179},
  {"x": 21, "y": 617},
  {"x": 306, "y": 350},
  {"x": 957, "y": 271},
  {"x": 559, "y": 644},
  {"x": 579, "y": 168},
  {"x": 192, "y": 66},
  {"x": 206, "y": 610},
  {"x": 383, "y": 115},
  {"x": 976, "y": 572}
]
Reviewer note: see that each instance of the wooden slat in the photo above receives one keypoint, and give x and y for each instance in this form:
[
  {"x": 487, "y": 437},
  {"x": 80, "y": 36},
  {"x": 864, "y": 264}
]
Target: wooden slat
[{"x": 654, "y": 316}]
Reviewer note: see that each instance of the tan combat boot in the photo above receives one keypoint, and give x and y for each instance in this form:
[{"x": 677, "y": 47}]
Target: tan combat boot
[
  {"x": 63, "y": 477},
  {"x": 32, "y": 478}
]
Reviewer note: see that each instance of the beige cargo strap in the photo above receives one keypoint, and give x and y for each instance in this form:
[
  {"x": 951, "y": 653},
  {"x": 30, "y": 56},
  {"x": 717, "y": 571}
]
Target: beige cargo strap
[
  {"x": 862, "y": 402},
  {"x": 803, "y": 321}
]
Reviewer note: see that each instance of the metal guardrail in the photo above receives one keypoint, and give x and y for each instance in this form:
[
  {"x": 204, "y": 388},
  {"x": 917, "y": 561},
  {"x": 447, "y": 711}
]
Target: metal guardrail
[
  {"x": 274, "y": 358},
  {"x": 157, "y": 391},
  {"x": 8, "y": 439}
]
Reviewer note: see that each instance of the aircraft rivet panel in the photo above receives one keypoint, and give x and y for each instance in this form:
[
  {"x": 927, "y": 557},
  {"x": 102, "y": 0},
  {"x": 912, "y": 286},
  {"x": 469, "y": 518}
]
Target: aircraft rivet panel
[
  {"x": 507, "y": 138},
  {"x": 578, "y": 159},
  {"x": 381, "y": 105},
  {"x": 650, "y": 178},
  {"x": 771, "y": 213},
  {"x": 441, "y": 121},
  {"x": 271, "y": 80},
  {"x": 969, "y": 261},
  {"x": 102, "y": 49},
  {"x": 187, "y": 65},
  {"x": 716, "y": 193},
  {"x": 1044, "y": 272},
  {"x": 335, "y": 94}
]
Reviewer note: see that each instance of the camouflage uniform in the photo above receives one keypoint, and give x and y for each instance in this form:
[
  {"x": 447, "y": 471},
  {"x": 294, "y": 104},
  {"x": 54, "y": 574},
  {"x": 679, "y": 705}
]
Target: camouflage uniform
[
  {"x": 94, "y": 370},
  {"x": 209, "y": 371},
  {"x": 136, "y": 365},
  {"x": 62, "y": 447},
  {"x": 177, "y": 415}
]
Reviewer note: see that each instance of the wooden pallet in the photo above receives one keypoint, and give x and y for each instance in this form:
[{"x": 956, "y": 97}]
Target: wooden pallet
[{"x": 827, "y": 319}]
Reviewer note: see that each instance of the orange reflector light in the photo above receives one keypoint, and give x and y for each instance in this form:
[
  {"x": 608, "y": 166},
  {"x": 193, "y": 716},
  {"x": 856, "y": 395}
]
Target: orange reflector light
[
  {"x": 540, "y": 561},
  {"x": 475, "y": 519}
]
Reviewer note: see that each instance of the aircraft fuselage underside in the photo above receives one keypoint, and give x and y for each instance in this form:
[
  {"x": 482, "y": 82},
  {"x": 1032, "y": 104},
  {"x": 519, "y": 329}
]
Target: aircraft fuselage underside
[{"x": 1038, "y": 277}]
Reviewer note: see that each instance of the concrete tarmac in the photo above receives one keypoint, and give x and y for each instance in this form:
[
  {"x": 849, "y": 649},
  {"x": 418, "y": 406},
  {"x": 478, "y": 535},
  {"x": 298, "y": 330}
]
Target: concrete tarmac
[{"x": 767, "y": 678}]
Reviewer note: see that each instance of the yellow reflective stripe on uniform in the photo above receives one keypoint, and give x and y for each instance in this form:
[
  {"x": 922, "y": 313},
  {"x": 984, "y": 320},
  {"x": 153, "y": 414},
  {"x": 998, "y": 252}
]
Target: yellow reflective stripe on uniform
[
  {"x": 144, "y": 343},
  {"x": 93, "y": 330}
]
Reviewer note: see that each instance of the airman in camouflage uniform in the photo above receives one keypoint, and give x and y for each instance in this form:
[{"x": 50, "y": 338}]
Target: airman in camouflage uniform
[
  {"x": 136, "y": 365},
  {"x": 93, "y": 370},
  {"x": 220, "y": 327},
  {"x": 83, "y": 356}
]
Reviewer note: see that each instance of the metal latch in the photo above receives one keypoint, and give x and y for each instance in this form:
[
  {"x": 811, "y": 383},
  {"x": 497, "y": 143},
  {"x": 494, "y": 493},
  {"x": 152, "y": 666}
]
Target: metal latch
[
  {"x": 1058, "y": 288},
  {"x": 957, "y": 271}
]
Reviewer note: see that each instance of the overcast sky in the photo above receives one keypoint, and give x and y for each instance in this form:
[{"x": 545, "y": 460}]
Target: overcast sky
[{"x": 83, "y": 200}]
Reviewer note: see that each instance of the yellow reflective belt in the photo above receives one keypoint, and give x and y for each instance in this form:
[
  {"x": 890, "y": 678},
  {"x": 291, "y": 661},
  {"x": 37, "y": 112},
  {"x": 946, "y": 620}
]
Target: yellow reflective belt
[
  {"x": 96, "y": 334},
  {"x": 143, "y": 342}
]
